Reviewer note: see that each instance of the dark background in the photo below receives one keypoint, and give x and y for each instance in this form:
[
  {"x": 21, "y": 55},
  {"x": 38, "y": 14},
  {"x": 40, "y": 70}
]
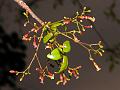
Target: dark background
[{"x": 14, "y": 54}]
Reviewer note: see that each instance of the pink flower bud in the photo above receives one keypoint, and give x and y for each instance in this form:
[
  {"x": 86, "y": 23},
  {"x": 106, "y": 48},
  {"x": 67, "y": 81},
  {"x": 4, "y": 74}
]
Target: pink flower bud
[
  {"x": 88, "y": 26},
  {"x": 34, "y": 42},
  {"x": 66, "y": 21},
  {"x": 12, "y": 71}
]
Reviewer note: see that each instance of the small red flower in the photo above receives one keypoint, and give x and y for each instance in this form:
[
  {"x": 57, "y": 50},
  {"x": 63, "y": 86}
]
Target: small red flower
[
  {"x": 74, "y": 71},
  {"x": 63, "y": 79},
  {"x": 34, "y": 42},
  {"x": 88, "y": 26},
  {"x": 42, "y": 74},
  {"x": 49, "y": 46},
  {"x": 66, "y": 21},
  {"x": 26, "y": 38},
  {"x": 87, "y": 17},
  {"x": 13, "y": 71},
  {"x": 50, "y": 75}
]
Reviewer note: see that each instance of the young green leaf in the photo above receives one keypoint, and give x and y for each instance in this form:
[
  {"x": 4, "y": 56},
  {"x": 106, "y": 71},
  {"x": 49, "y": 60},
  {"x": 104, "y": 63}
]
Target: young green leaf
[
  {"x": 47, "y": 37},
  {"x": 55, "y": 25},
  {"x": 54, "y": 55},
  {"x": 52, "y": 40},
  {"x": 66, "y": 46},
  {"x": 64, "y": 64},
  {"x": 54, "y": 28}
]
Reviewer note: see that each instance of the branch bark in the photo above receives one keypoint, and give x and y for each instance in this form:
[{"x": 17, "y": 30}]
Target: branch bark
[{"x": 26, "y": 7}]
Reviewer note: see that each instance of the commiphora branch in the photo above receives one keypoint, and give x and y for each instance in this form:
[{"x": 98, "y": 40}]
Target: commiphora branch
[{"x": 48, "y": 33}]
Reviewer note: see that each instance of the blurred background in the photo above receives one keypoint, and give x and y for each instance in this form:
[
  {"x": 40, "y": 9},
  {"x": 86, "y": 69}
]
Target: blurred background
[{"x": 15, "y": 54}]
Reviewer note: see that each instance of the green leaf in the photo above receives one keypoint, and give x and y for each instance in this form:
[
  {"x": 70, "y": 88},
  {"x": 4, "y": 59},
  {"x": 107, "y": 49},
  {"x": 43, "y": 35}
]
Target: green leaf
[
  {"x": 47, "y": 37},
  {"x": 64, "y": 64},
  {"x": 52, "y": 40},
  {"x": 54, "y": 28},
  {"x": 55, "y": 25},
  {"x": 54, "y": 55},
  {"x": 56, "y": 34},
  {"x": 66, "y": 46}
]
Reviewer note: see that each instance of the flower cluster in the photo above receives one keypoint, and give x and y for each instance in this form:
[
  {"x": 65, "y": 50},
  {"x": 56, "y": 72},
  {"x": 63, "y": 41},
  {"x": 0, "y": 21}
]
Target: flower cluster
[
  {"x": 74, "y": 71},
  {"x": 42, "y": 74},
  {"x": 48, "y": 32},
  {"x": 45, "y": 73},
  {"x": 63, "y": 79}
]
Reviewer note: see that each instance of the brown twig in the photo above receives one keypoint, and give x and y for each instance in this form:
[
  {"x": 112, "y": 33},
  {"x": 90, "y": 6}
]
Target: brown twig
[{"x": 26, "y": 7}]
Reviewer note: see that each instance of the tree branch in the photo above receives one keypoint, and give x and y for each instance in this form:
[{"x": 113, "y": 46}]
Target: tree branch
[{"x": 26, "y": 7}]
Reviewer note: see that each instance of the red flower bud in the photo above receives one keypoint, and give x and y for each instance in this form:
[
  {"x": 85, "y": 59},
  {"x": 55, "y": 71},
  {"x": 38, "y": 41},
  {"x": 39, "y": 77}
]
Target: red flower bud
[
  {"x": 88, "y": 26},
  {"x": 66, "y": 21},
  {"x": 12, "y": 71},
  {"x": 34, "y": 42}
]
